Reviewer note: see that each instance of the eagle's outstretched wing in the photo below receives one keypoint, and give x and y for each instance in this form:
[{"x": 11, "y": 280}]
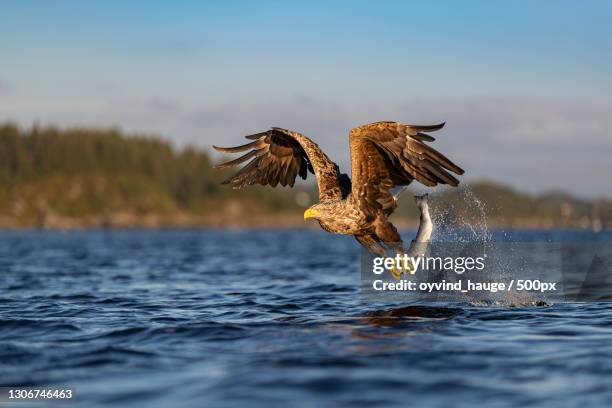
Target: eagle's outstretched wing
[
  {"x": 389, "y": 154},
  {"x": 278, "y": 156}
]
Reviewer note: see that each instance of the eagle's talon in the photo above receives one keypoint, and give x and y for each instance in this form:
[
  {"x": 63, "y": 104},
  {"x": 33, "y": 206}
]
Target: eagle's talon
[
  {"x": 407, "y": 269},
  {"x": 397, "y": 274}
]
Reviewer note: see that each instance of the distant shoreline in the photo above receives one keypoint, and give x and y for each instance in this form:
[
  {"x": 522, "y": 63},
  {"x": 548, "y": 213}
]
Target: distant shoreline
[{"x": 260, "y": 222}]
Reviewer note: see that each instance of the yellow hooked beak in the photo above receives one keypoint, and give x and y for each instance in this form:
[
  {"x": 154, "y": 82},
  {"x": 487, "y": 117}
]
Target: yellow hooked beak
[{"x": 310, "y": 213}]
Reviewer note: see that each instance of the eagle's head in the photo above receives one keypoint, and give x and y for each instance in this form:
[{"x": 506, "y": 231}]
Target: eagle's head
[{"x": 320, "y": 211}]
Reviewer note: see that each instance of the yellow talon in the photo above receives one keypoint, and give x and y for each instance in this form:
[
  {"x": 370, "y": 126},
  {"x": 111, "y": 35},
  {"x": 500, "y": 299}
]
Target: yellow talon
[{"x": 396, "y": 273}]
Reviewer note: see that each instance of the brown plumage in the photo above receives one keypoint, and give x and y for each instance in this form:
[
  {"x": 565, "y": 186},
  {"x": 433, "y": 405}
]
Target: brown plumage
[{"x": 383, "y": 155}]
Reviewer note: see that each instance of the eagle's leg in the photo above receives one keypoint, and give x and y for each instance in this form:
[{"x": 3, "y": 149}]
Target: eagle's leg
[
  {"x": 372, "y": 245},
  {"x": 387, "y": 233}
]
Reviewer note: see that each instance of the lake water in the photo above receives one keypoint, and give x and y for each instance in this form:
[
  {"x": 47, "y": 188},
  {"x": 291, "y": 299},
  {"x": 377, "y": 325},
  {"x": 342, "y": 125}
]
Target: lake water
[{"x": 259, "y": 319}]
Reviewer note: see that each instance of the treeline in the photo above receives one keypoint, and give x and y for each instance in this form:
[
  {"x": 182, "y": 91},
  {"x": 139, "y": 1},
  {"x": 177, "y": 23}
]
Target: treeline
[
  {"x": 73, "y": 178},
  {"x": 50, "y": 177},
  {"x": 38, "y": 154}
]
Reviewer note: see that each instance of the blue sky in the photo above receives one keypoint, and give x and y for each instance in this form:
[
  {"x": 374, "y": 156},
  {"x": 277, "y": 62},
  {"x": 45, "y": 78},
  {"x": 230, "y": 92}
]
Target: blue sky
[{"x": 525, "y": 87}]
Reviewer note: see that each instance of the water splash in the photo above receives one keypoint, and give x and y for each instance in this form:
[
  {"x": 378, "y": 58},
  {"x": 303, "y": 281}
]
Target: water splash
[
  {"x": 454, "y": 225},
  {"x": 463, "y": 221}
]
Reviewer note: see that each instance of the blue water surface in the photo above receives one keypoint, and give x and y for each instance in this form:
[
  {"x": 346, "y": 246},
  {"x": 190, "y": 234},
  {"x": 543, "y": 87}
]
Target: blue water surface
[{"x": 274, "y": 318}]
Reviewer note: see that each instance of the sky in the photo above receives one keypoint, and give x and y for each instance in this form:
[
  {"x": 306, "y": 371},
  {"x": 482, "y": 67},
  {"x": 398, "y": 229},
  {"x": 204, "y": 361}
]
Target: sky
[{"x": 524, "y": 87}]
